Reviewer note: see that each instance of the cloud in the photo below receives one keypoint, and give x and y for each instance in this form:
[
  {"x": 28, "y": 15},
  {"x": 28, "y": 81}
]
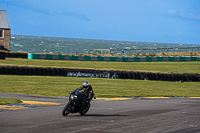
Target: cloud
[
  {"x": 38, "y": 9},
  {"x": 27, "y": 6},
  {"x": 75, "y": 15},
  {"x": 188, "y": 16}
]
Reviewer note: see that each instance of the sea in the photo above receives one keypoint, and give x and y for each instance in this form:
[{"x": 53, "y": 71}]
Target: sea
[{"x": 40, "y": 44}]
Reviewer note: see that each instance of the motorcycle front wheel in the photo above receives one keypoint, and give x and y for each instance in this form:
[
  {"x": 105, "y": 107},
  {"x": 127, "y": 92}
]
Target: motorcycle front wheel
[{"x": 66, "y": 109}]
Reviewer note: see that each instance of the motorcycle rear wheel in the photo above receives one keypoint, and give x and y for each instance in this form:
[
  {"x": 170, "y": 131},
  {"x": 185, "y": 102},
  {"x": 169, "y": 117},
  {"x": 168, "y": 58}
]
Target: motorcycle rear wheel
[
  {"x": 85, "y": 110},
  {"x": 66, "y": 109}
]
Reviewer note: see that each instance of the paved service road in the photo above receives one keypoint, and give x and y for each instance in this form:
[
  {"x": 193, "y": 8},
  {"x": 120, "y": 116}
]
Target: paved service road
[{"x": 172, "y": 115}]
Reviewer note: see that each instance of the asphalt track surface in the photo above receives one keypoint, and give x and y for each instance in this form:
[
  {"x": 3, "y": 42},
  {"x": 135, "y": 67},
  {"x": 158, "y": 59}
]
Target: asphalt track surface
[{"x": 165, "y": 115}]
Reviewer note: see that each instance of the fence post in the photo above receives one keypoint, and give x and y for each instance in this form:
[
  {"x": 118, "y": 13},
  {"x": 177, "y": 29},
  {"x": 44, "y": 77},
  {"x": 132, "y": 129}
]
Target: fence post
[
  {"x": 167, "y": 51},
  {"x": 135, "y": 51},
  {"x": 148, "y": 51},
  {"x": 129, "y": 52},
  {"x": 186, "y": 49},
  {"x": 161, "y": 50}
]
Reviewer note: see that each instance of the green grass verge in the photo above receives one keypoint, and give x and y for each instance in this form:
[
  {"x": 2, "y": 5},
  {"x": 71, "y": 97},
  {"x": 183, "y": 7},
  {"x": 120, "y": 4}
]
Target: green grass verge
[
  {"x": 9, "y": 101},
  {"x": 169, "y": 67},
  {"x": 61, "y": 86}
]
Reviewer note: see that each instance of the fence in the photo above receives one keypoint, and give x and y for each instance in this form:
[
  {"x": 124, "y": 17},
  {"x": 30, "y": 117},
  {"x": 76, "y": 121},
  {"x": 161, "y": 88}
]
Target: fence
[{"x": 145, "y": 51}]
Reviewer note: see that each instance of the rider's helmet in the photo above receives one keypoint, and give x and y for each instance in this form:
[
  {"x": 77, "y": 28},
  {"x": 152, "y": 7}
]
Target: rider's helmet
[{"x": 85, "y": 85}]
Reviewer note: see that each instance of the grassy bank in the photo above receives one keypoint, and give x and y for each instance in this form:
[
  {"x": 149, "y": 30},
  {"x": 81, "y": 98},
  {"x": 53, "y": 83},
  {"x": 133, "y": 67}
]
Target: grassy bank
[
  {"x": 168, "y": 67},
  {"x": 9, "y": 101},
  {"x": 61, "y": 86}
]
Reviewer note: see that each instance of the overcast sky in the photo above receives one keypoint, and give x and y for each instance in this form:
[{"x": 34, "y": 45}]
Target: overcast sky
[{"x": 167, "y": 21}]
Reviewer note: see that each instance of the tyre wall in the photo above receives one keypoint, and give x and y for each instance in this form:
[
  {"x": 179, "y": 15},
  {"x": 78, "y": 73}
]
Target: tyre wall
[
  {"x": 121, "y": 59},
  {"x": 2, "y": 55},
  {"x": 15, "y": 70},
  {"x": 1, "y": 47},
  {"x": 16, "y": 55},
  {"x": 101, "y": 58}
]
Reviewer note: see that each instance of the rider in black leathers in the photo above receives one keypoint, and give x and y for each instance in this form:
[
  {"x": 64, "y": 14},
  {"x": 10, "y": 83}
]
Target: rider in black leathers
[{"x": 88, "y": 91}]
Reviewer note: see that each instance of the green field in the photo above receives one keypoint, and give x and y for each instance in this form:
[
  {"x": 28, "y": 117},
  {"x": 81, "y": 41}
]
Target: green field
[
  {"x": 62, "y": 86},
  {"x": 168, "y": 67}
]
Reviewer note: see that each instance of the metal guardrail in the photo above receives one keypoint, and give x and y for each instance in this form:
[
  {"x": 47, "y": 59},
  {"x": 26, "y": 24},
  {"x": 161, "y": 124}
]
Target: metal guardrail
[{"x": 145, "y": 51}]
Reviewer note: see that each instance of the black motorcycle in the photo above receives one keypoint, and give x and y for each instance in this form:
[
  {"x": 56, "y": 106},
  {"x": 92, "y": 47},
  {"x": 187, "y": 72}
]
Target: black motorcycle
[{"x": 77, "y": 104}]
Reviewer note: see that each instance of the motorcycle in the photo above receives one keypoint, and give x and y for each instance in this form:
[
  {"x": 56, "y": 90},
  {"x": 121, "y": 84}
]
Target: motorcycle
[{"x": 77, "y": 104}]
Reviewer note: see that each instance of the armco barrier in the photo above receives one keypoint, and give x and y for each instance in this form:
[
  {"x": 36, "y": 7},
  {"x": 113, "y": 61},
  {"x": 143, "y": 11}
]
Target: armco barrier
[
  {"x": 120, "y": 59},
  {"x": 40, "y": 71}
]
